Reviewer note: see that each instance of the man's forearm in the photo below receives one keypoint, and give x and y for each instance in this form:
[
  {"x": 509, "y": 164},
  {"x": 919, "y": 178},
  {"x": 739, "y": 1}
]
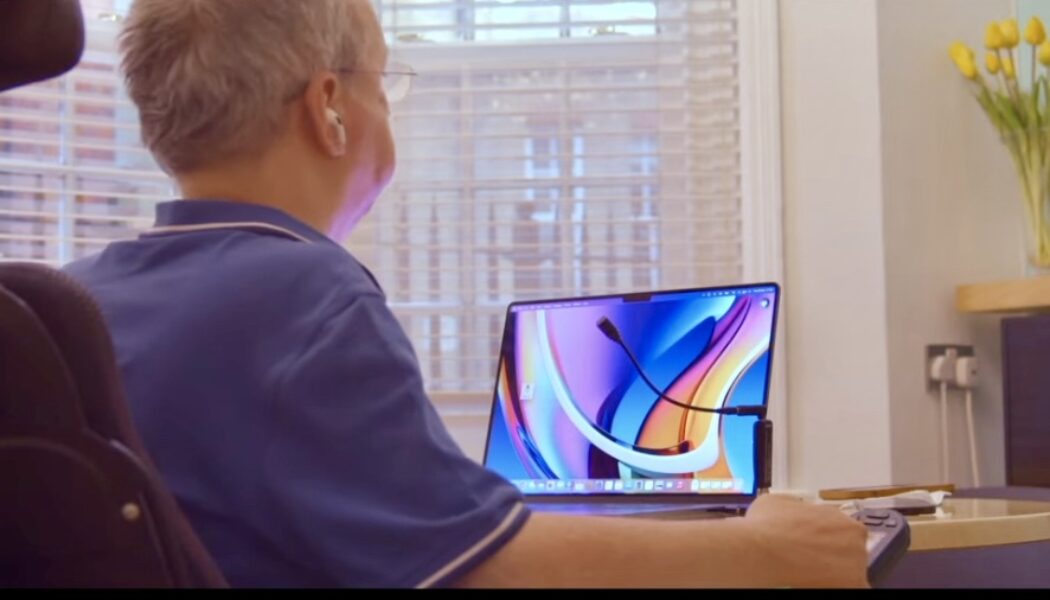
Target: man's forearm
[{"x": 564, "y": 551}]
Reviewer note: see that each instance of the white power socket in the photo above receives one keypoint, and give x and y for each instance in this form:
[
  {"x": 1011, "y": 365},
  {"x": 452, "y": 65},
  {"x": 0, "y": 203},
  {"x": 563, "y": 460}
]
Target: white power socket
[
  {"x": 942, "y": 368},
  {"x": 943, "y": 365},
  {"x": 954, "y": 368},
  {"x": 967, "y": 372}
]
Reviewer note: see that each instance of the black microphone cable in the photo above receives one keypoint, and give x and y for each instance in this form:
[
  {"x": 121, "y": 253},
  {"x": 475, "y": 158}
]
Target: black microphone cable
[{"x": 608, "y": 328}]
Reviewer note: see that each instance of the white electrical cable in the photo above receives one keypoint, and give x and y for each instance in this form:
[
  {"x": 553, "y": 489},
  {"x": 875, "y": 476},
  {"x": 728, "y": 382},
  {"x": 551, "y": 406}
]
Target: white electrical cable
[
  {"x": 973, "y": 439},
  {"x": 945, "y": 470}
]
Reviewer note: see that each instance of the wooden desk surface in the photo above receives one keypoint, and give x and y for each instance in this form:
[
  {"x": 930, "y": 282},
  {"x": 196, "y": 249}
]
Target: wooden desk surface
[{"x": 971, "y": 523}]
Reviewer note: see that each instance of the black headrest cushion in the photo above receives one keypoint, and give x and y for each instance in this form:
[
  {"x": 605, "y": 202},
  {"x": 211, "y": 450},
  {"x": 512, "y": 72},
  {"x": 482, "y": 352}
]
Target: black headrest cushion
[{"x": 39, "y": 39}]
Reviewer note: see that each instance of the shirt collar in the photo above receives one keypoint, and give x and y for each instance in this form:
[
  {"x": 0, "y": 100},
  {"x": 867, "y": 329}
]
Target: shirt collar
[{"x": 216, "y": 212}]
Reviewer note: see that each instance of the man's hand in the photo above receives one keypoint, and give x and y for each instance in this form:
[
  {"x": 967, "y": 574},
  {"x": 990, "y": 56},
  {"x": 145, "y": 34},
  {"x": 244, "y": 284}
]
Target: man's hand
[{"x": 806, "y": 545}]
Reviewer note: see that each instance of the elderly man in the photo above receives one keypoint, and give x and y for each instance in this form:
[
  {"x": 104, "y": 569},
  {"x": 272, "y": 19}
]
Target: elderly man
[{"x": 274, "y": 389}]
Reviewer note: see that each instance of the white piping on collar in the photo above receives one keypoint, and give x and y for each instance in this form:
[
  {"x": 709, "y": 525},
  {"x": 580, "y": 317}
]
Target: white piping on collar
[{"x": 217, "y": 226}]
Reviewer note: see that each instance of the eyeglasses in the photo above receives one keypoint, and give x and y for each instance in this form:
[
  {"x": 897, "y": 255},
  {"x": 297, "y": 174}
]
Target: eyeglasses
[{"x": 397, "y": 80}]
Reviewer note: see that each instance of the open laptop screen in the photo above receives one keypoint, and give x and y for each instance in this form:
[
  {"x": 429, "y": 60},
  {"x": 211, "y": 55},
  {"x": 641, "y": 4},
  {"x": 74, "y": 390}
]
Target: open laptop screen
[{"x": 572, "y": 416}]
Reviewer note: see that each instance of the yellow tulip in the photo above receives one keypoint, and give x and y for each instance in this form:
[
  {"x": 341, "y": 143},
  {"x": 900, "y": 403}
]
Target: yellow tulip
[
  {"x": 1011, "y": 33},
  {"x": 1008, "y": 67},
  {"x": 1044, "y": 53},
  {"x": 993, "y": 63},
  {"x": 963, "y": 57},
  {"x": 1035, "y": 33},
  {"x": 993, "y": 38},
  {"x": 960, "y": 51},
  {"x": 968, "y": 68}
]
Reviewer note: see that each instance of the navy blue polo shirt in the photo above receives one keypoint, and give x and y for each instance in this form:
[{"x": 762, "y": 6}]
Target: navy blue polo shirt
[{"x": 284, "y": 406}]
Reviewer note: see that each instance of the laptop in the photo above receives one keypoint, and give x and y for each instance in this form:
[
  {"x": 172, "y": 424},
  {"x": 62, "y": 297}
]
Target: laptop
[{"x": 601, "y": 404}]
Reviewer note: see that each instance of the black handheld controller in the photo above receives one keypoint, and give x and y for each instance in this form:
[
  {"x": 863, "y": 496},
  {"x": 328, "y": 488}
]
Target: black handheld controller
[{"x": 888, "y": 540}]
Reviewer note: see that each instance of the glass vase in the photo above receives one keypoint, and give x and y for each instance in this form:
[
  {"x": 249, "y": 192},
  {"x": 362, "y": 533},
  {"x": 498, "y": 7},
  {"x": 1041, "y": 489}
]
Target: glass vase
[{"x": 1030, "y": 151}]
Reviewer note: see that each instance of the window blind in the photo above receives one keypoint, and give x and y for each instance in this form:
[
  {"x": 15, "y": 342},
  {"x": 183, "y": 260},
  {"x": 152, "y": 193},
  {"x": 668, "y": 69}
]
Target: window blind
[
  {"x": 550, "y": 148},
  {"x": 553, "y": 148}
]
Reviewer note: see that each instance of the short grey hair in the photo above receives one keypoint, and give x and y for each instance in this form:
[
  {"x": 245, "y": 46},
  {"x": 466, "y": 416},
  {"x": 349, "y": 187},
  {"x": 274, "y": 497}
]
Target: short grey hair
[{"x": 211, "y": 78}]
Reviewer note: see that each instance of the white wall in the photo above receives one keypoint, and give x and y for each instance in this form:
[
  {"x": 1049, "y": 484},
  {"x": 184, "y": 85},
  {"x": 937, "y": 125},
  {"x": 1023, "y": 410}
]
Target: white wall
[
  {"x": 896, "y": 192},
  {"x": 951, "y": 216},
  {"x": 835, "y": 282}
]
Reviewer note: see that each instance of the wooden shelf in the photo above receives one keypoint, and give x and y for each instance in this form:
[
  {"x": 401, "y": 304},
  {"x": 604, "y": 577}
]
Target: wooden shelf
[{"x": 1020, "y": 296}]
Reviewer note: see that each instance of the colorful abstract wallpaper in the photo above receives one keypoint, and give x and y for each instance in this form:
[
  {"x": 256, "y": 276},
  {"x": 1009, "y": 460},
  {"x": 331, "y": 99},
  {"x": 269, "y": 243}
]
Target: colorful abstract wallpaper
[{"x": 573, "y": 416}]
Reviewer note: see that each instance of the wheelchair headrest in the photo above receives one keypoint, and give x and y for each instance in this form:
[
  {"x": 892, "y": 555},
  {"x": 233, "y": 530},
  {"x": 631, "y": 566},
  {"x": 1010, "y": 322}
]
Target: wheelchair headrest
[
  {"x": 36, "y": 389},
  {"x": 75, "y": 330},
  {"x": 39, "y": 39}
]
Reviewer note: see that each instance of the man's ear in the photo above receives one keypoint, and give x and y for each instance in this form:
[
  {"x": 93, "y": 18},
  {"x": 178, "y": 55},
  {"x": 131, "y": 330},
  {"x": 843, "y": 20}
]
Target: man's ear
[
  {"x": 336, "y": 123},
  {"x": 329, "y": 129}
]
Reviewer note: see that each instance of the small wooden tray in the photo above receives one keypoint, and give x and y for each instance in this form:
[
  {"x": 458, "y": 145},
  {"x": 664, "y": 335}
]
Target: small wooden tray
[{"x": 859, "y": 493}]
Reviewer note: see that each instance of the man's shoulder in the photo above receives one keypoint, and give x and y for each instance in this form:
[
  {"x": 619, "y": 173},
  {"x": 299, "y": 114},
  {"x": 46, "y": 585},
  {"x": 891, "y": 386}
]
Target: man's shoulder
[
  {"x": 245, "y": 264},
  {"x": 301, "y": 264},
  {"x": 81, "y": 268}
]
